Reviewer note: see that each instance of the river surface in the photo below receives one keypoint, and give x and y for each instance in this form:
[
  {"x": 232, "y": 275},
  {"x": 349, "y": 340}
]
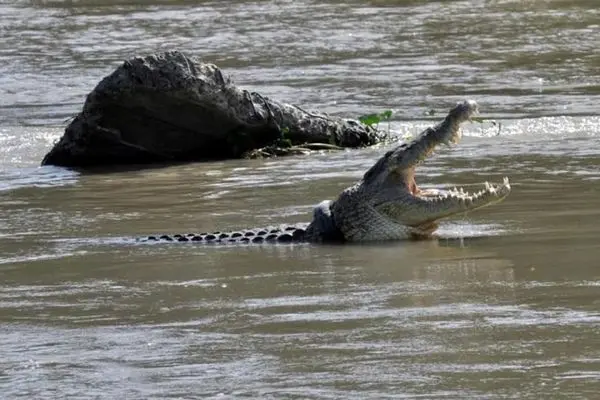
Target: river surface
[{"x": 505, "y": 305}]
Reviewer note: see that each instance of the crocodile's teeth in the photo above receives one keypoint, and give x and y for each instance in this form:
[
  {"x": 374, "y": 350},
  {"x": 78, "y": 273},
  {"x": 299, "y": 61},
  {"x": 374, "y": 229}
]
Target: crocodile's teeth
[{"x": 487, "y": 186}]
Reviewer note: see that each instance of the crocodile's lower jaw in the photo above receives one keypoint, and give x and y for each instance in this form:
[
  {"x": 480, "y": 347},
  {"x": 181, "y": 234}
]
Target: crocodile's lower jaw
[{"x": 490, "y": 192}]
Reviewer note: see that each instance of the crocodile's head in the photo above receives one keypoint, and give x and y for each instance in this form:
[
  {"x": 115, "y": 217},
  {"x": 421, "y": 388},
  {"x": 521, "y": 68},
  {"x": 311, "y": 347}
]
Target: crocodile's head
[{"x": 388, "y": 204}]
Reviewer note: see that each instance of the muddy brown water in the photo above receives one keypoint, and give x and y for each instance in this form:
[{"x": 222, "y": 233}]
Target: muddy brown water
[{"x": 506, "y": 304}]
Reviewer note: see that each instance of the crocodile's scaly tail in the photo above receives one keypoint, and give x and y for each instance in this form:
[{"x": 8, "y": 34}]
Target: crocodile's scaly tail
[{"x": 283, "y": 234}]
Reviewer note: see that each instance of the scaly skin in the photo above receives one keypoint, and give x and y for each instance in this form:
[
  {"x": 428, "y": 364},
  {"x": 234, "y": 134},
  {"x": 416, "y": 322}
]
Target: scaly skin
[{"x": 386, "y": 204}]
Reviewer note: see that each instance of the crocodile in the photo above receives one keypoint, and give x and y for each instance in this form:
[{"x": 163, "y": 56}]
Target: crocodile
[{"x": 386, "y": 204}]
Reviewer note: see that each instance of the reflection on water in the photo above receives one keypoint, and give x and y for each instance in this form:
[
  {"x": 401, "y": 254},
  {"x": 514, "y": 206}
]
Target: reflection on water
[
  {"x": 503, "y": 305},
  {"x": 299, "y": 321}
]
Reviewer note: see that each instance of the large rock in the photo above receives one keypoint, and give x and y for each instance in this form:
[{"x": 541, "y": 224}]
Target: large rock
[{"x": 168, "y": 107}]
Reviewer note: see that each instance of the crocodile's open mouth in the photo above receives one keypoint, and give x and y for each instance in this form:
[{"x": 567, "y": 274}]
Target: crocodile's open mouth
[
  {"x": 399, "y": 202},
  {"x": 490, "y": 193}
]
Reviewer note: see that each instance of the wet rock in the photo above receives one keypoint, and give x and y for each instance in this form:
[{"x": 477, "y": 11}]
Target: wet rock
[{"x": 170, "y": 108}]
